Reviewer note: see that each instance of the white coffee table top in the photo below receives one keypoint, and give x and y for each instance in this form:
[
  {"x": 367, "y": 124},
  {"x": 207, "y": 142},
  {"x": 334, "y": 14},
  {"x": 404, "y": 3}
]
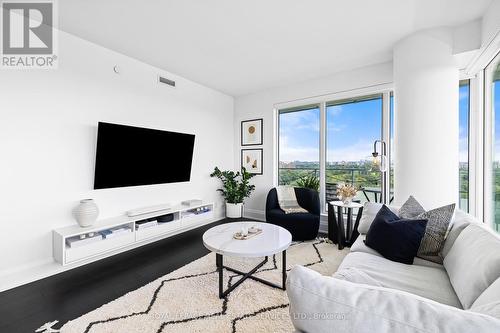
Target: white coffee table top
[{"x": 272, "y": 240}]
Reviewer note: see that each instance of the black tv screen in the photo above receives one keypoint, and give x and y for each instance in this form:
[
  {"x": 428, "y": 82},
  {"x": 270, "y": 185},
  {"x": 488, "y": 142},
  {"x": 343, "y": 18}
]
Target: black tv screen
[{"x": 131, "y": 156}]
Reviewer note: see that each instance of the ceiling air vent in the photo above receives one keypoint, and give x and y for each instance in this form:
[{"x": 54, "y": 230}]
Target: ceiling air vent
[{"x": 166, "y": 81}]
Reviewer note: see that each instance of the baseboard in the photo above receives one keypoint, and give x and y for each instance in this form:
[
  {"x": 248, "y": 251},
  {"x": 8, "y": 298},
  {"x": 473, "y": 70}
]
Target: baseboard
[{"x": 255, "y": 214}]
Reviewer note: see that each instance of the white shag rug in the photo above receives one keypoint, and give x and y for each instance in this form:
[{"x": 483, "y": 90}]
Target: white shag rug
[{"x": 186, "y": 300}]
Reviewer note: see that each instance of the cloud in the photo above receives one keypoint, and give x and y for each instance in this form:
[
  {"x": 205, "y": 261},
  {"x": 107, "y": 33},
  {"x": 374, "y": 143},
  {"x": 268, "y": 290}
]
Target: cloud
[
  {"x": 355, "y": 152},
  {"x": 360, "y": 150},
  {"x": 301, "y": 120},
  {"x": 290, "y": 153},
  {"x": 332, "y": 111},
  {"x": 464, "y": 94}
]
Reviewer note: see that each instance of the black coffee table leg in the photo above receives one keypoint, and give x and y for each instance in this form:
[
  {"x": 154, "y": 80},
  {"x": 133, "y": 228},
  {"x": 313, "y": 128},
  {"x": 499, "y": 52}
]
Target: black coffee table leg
[
  {"x": 247, "y": 275},
  {"x": 219, "y": 264},
  {"x": 283, "y": 273}
]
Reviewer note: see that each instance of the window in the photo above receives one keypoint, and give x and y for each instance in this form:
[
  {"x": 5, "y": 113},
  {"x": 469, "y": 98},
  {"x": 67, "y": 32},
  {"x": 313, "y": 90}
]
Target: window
[
  {"x": 331, "y": 140},
  {"x": 391, "y": 145},
  {"x": 352, "y": 126},
  {"x": 492, "y": 178},
  {"x": 463, "y": 167},
  {"x": 299, "y": 142}
]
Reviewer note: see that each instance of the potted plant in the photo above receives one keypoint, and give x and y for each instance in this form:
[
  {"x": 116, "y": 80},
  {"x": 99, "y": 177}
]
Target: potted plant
[
  {"x": 309, "y": 181},
  {"x": 235, "y": 188}
]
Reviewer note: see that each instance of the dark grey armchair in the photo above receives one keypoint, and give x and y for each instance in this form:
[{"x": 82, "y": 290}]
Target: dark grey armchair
[{"x": 302, "y": 226}]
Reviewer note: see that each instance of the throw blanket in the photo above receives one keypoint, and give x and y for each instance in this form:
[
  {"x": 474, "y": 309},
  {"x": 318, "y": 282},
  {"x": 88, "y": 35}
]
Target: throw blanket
[{"x": 288, "y": 201}]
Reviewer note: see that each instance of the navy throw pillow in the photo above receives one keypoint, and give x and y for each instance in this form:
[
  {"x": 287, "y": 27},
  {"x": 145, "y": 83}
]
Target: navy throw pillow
[{"x": 394, "y": 238}]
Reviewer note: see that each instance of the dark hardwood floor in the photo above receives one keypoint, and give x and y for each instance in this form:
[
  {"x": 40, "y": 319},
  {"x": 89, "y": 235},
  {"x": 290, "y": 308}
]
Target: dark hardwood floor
[{"x": 70, "y": 294}]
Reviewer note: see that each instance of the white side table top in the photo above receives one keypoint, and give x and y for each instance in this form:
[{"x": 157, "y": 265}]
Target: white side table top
[
  {"x": 351, "y": 205},
  {"x": 272, "y": 240}
]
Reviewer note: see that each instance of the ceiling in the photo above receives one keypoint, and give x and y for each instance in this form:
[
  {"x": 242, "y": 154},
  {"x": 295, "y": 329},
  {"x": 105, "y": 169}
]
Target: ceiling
[{"x": 239, "y": 47}]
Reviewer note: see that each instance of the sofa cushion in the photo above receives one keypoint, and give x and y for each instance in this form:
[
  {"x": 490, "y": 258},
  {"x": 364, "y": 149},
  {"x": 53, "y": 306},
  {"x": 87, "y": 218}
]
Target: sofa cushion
[
  {"x": 428, "y": 282},
  {"x": 370, "y": 210},
  {"x": 352, "y": 274},
  {"x": 458, "y": 223},
  {"x": 343, "y": 306},
  {"x": 360, "y": 246},
  {"x": 489, "y": 301},
  {"x": 396, "y": 239},
  {"x": 411, "y": 208},
  {"x": 473, "y": 263}
]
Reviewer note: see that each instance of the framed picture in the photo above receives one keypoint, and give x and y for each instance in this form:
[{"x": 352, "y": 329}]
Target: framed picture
[
  {"x": 251, "y": 159},
  {"x": 251, "y": 132}
]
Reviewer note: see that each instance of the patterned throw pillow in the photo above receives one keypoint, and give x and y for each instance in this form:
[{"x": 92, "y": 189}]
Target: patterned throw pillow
[
  {"x": 411, "y": 208},
  {"x": 438, "y": 221}
]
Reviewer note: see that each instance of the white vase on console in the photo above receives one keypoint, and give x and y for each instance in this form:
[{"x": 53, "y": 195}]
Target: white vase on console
[{"x": 86, "y": 213}]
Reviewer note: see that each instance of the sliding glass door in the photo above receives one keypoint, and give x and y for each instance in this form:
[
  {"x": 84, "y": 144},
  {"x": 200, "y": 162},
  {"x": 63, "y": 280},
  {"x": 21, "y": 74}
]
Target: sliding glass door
[
  {"x": 331, "y": 141},
  {"x": 352, "y": 126},
  {"x": 492, "y": 156}
]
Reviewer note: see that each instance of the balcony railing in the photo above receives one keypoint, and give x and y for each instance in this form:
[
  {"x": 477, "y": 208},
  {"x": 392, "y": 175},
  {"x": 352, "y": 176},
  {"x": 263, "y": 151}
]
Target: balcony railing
[{"x": 360, "y": 177}]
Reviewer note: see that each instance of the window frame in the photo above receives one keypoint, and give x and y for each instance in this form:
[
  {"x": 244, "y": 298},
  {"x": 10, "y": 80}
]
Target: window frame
[
  {"x": 383, "y": 89},
  {"x": 488, "y": 144}
]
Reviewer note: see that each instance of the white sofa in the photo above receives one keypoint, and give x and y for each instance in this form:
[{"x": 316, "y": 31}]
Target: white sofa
[{"x": 369, "y": 293}]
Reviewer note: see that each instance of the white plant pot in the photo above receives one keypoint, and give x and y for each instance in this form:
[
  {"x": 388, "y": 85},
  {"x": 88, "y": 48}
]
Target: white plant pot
[
  {"x": 86, "y": 213},
  {"x": 234, "y": 211}
]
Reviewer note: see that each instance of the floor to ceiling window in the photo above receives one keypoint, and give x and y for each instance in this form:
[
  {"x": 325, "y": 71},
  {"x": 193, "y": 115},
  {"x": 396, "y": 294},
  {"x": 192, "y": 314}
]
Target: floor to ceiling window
[
  {"x": 326, "y": 142},
  {"x": 463, "y": 167},
  {"x": 492, "y": 107},
  {"x": 392, "y": 156},
  {"x": 298, "y": 144},
  {"x": 352, "y": 126}
]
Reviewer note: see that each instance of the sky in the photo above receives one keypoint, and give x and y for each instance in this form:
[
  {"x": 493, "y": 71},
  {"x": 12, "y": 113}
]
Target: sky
[
  {"x": 463, "y": 120},
  {"x": 496, "y": 96},
  {"x": 352, "y": 128}
]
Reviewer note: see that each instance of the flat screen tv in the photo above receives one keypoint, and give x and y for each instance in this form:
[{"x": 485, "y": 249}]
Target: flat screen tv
[{"x": 132, "y": 156}]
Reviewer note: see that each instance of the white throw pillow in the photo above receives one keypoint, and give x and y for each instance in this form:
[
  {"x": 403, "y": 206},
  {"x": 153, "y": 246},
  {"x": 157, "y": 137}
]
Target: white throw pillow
[
  {"x": 370, "y": 210},
  {"x": 473, "y": 263}
]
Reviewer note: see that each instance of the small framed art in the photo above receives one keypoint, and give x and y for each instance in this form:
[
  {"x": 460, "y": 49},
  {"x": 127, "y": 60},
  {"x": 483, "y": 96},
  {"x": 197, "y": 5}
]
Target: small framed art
[
  {"x": 251, "y": 132},
  {"x": 251, "y": 160}
]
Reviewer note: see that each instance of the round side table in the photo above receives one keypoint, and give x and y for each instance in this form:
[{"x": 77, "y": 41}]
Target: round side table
[{"x": 336, "y": 231}]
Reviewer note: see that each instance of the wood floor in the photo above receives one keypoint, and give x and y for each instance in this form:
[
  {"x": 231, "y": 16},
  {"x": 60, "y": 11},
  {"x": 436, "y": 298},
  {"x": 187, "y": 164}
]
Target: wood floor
[{"x": 73, "y": 293}]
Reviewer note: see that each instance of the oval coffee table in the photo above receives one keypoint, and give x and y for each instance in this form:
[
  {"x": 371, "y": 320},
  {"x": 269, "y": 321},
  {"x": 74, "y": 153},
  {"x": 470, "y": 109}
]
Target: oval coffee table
[{"x": 272, "y": 240}]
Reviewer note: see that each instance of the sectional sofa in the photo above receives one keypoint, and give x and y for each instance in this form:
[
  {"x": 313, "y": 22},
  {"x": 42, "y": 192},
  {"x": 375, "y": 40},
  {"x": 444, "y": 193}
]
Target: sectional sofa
[{"x": 369, "y": 293}]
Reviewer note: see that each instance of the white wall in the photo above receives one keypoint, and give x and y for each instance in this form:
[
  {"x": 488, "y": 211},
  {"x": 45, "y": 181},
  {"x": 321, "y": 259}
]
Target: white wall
[
  {"x": 48, "y": 122},
  {"x": 491, "y": 22},
  {"x": 426, "y": 122},
  {"x": 261, "y": 105}
]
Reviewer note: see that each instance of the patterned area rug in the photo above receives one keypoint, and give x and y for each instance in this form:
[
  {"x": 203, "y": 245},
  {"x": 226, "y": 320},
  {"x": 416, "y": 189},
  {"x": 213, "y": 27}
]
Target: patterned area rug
[{"x": 186, "y": 300}]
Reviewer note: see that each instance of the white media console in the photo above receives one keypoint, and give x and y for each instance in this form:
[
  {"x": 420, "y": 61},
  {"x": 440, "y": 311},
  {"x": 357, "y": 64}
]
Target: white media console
[{"x": 184, "y": 218}]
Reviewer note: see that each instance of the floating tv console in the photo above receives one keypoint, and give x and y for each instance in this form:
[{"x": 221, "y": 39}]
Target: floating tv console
[
  {"x": 184, "y": 218},
  {"x": 149, "y": 209}
]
